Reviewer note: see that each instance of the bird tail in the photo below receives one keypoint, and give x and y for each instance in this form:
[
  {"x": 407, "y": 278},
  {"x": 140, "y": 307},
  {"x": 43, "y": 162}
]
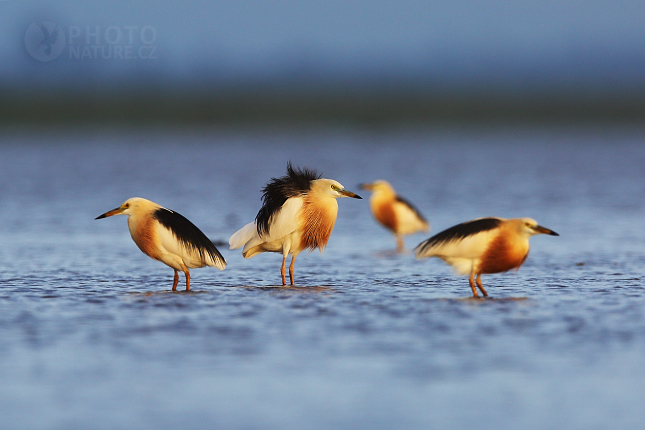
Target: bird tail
[
  {"x": 243, "y": 235},
  {"x": 215, "y": 259},
  {"x": 427, "y": 249},
  {"x": 423, "y": 250}
]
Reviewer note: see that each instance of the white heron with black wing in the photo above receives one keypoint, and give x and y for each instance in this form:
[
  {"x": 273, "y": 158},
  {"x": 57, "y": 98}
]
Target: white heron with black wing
[
  {"x": 166, "y": 236},
  {"x": 394, "y": 212},
  {"x": 483, "y": 246},
  {"x": 298, "y": 212}
]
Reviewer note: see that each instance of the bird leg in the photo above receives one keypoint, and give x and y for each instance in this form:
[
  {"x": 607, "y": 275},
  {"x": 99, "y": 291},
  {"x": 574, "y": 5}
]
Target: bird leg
[
  {"x": 283, "y": 270},
  {"x": 479, "y": 284},
  {"x": 400, "y": 246},
  {"x": 187, "y": 273},
  {"x": 174, "y": 284},
  {"x": 472, "y": 283},
  {"x": 293, "y": 259}
]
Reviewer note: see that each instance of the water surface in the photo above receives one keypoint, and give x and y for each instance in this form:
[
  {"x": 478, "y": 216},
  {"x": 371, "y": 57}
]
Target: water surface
[{"x": 92, "y": 337}]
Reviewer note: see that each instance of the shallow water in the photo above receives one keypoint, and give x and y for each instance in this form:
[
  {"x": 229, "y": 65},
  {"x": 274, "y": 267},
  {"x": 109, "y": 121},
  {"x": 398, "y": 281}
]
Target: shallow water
[{"x": 92, "y": 337}]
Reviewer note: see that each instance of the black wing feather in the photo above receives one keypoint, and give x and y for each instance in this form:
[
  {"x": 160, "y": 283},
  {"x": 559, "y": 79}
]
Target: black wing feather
[
  {"x": 411, "y": 206},
  {"x": 460, "y": 231},
  {"x": 296, "y": 182},
  {"x": 188, "y": 234}
]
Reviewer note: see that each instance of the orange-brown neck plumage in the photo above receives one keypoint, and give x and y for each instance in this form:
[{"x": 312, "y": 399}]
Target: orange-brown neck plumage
[
  {"x": 144, "y": 235},
  {"x": 382, "y": 204},
  {"x": 317, "y": 218},
  {"x": 507, "y": 251},
  {"x": 384, "y": 213}
]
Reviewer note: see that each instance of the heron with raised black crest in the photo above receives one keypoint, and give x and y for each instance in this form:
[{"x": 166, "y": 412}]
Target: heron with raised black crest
[{"x": 298, "y": 212}]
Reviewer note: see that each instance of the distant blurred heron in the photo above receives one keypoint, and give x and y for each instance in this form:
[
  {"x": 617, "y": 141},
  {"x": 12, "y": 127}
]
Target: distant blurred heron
[
  {"x": 168, "y": 237},
  {"x": 298, "y": 212},
  {"x": 394, "y": 212},
  {"x": 483, "y": 246}
]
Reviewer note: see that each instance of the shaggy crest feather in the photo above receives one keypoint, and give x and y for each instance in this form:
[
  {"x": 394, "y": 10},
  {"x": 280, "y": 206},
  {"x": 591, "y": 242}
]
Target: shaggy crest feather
[{"x": 297, "y": 182}]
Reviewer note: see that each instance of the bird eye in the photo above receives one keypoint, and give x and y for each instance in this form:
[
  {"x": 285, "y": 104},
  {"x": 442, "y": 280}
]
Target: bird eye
[
  {"x": 127, "y": 205},
  {"x": 334, "y": 187}
]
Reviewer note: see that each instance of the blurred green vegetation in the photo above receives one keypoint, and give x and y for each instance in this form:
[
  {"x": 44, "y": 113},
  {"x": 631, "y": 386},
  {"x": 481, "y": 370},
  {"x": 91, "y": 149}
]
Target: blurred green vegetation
[{"x": 265, "y": 105}]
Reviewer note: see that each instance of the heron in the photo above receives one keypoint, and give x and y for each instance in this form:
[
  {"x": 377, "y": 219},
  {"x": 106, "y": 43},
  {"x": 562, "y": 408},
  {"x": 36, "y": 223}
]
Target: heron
[
  {"x": 298, "y": 212},
  {"x": 483, "y": 246},
  {"x": 394, "y": 212},
  {"x": 165, "y": 235}
]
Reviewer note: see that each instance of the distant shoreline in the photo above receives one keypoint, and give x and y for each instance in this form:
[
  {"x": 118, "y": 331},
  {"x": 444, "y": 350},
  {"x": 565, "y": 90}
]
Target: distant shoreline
[{"x": 131, "y": 106}]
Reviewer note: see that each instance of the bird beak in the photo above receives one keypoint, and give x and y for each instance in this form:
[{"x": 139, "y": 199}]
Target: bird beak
[
  {"x": 116, "y": 211},
  {"x": 346, "y": 193},
  {"x": 544, "y": 230},
  {"x": 368, "y": 187}
]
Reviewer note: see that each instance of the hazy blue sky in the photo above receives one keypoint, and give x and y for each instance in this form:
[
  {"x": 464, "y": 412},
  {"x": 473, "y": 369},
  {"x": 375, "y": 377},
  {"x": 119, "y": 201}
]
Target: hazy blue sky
[{"x": 334, "y": 40}]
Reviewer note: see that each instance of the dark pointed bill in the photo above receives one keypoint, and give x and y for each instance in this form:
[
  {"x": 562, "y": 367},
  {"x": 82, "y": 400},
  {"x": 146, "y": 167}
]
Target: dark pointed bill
[
  {"x": 349, "y": 194},
  {"x": 545, "y": 230},
  {"x": 109, "y": 213}
]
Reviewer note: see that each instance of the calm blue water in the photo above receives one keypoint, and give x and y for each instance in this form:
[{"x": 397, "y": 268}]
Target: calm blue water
[{"x": 92, "y": 337}]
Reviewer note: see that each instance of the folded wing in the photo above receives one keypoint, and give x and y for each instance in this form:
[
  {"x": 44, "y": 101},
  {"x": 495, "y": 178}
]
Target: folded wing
[
  {"x": 181, "y": 237},
  {"x": 281, "y": 224}
]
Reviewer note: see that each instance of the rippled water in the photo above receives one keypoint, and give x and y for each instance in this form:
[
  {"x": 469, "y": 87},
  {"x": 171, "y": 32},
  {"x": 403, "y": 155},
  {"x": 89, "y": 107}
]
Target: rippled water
[{"x": 92, "y": 337}]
